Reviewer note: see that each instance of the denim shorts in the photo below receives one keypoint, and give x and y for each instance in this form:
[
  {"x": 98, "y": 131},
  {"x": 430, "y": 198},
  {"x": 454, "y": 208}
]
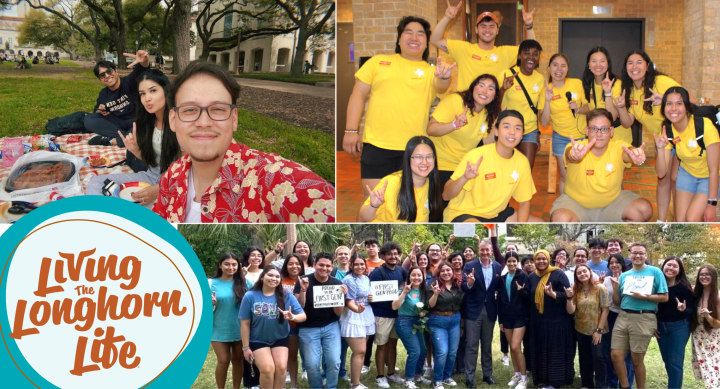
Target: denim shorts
[
  {"x": 531, "y": 137},
  {"x": 559, "y": 143},
  {"x": 686, "y": 182}
]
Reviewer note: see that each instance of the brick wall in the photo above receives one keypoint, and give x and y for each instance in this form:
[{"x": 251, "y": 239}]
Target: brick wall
[
  {"x": 701, "y": 49},
  {"x": 344, "y": 11}
]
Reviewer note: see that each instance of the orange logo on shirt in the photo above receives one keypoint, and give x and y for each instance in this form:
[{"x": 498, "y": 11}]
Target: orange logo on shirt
[
  {"x": 490, "y": 176},
  {"x": 477, "y": 57},
  {"x": 633, "y": 102},
  {"x": 590, "y": 172},
  {"x": 675, "y": 140},
  {"x": 384, "y": 62},
  {"x": 556, "y": 97},
  {"x": 518, "y": 88}
]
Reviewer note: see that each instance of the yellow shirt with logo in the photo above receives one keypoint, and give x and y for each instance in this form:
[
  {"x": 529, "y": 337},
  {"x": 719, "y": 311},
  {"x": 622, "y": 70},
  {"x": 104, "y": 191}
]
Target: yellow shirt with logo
[
  {"x": 689, "y": 151},
  {"x": 514, "y": 97},
  {"x": 595, "y": 182},
  {"x": 488, "y": 194},
  {"x": 653, "y": 122},
  {"x": 564, "y": 123},
  {"x": 473, "y": 61},
  {"x": 388, "y": 212},
  {"x": 453, "y": 146},
  {"x": 621, "y": 133},
  {"x": 401, "y": 92}
]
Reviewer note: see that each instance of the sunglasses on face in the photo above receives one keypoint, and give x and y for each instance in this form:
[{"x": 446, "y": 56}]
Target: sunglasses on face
[{"x": 105, "y": 74}]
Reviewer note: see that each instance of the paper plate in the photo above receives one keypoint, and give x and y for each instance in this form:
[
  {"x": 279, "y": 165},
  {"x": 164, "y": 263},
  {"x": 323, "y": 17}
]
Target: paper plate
[
  {"x": 106, "y": 164},
  {"x": 125, "y": 190}
]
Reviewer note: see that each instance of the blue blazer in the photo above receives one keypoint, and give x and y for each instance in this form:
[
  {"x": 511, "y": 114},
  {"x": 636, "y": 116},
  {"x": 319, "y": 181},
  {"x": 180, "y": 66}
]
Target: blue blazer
[
  {"x": 516, "y": 304},
  {"x": 481, "y": 295}
]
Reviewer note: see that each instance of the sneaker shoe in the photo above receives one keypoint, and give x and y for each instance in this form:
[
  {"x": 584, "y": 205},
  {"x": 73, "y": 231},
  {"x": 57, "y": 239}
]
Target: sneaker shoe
[
  {"x": 304, "y": 376},
  {"x": 506, "y": 361},
  {"x": 382, "y": 382},
  {"x": 514, "y": 381},
  {"x": 359, "y": 386},
  {"x": 428, "y": 371},
  {"x": 99, "y": 141},
  {"x": 395, "y": 378},
  {"x": 422, "y": 380},
  {"x": 522, "y": 384},
  {"x": 438, "y": 385},
  {"x": 450, "y": 382},
  {"x": 365, "y": 370},
  {"x": 324, "y": 382},
  {"x": 287, "y": 378},
  {"x": 410, "y": 385},
  {"x": 346, "y": 378}
]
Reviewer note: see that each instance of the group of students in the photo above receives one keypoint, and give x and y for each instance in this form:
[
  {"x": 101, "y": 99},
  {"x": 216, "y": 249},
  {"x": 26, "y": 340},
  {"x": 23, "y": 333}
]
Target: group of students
[
  {"x": 605, "y": 306},
  {"x": 459, "y": 163}
]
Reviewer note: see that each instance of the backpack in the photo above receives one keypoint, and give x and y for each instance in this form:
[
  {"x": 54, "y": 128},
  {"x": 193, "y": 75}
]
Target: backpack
[
  {"x": 701, "y": 112},
  {"x": 70, "y": 124},
  {"x": 527, "y": 96}
]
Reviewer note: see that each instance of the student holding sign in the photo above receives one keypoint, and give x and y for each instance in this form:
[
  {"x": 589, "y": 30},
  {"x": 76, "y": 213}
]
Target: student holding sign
[
  {"x": 320, "y": 334},
  {"x": 357, "y": 321}
]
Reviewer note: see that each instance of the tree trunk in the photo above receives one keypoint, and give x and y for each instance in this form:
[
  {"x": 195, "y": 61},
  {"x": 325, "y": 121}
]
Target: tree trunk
[
  {"x": 291, "y": 237},
  {"x": 297, "y": 66},
  {"x": 181, "y": 27},
  {"x": 98, "y": 52},
  {"x": 387, "y": 233}
]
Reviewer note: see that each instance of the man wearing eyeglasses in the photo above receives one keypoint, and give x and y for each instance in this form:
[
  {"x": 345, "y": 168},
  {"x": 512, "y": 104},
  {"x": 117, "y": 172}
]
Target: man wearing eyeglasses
[
  {"x": 595, "y": 168},
  {"x": 116, "y": 103},
  {"x": 222, "y": 181}
]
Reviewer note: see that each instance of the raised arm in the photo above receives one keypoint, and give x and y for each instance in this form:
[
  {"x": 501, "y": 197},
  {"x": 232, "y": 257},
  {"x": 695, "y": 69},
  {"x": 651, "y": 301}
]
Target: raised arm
[{"x": 437, "y": 37}]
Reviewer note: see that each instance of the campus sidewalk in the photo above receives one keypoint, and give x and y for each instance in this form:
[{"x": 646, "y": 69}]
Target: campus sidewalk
[{"x": 289, "y": 87}]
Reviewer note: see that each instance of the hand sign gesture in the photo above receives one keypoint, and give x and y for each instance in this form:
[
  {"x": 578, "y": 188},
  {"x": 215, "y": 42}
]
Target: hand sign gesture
[
  {"x": 286, "y": 314},
  {"x": 527, "y": 17},
  {"x": 615, "y": 282},
  {"x": 607, "y": 83},
  {"x": 435, "y": 287},
  {"x": 471, "y": 171},
  {"x": 519, "y": 287},
  {"x": 579, "y": 149},
  {"x": 656, "y": 98},
  {"x": 569, "y": 292},
  {"x": 451, "y": 239},
  {"x": 662, "y": 141},
  {"x": 280, "y": 246},
  {"x": 141, "y": 57},
  {"x": 443, "y": 70},
  {"x": 507, "y": 82},
  {"x": 620, "y": 101},
  {"x": 358, "y": 246},
  {"x": 131, "y": 142},
  {"x": 452, "y": 11},
  {"x": 681, "y": 305},
  {"x": 304, "y": 284},
  {"x": 549, "y": 291},
  {"x": 470, "y": 278},
  {"x": 548, "y": 93},
  {"x": 406, "y": 289},
  {"x": 377, "y": 197},
  {"x": 705, "y": 312},
  {"x": 636, "y": 155},
  {"x": 460, "y": 120}
]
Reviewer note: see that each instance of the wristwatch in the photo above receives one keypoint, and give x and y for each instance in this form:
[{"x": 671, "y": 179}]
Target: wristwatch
[
  {"x": 713, "y": 202},
  {"x": 599, "y": 330}
]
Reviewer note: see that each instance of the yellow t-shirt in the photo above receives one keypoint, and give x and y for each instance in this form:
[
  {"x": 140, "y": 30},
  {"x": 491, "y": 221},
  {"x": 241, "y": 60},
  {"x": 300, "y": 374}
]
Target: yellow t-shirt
[
  {"x": 621, "y": 133},
  {"x": 489, "y": 193},
  {"x": 473, "y": 61},
  {"x": 388, "y": 212},
  {"x": 595, "y": 182},
  {"x": 401, "y": 92},
  {"x": 689, "y": 153},
  {"x": 451, "y": 147},
  {"x": 564, "y": 123},
  {"x": 653, "y": 122},
  {"x": 514, "y": 97}
]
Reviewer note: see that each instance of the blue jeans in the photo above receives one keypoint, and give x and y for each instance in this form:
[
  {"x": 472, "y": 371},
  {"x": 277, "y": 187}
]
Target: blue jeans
[
  {"x": 612, "y": 378},
  {"x": 673, "y": 339},
  {"x": 343, "y": 357},
  {"x": 318, "y": 341},
  {"x": 414, "y": 344},
  {"x": 445, "y": 335}
]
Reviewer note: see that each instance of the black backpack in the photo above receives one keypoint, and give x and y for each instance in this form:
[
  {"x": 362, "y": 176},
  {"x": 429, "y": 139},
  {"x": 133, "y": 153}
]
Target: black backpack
[
  {"x": 70, "y": 124},
  {"x": 702, "y": 112}
]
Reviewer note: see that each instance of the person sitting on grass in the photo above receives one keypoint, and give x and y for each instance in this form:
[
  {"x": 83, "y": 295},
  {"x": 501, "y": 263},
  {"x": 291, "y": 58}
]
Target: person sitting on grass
[
  {"x": 595, "y": 169},
  {"x": 220, "y": 180},
  {"x": 116, "y": 103}
]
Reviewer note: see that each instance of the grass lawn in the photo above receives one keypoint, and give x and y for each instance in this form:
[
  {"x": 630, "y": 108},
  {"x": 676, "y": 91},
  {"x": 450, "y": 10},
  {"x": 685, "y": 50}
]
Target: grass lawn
[
  {"x": 31, "y": 97},
  {"x": 656, "y": 376},
  {"x": 309, "y": 79}
]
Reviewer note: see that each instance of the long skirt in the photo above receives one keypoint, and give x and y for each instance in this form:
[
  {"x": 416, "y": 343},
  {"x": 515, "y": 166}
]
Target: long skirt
[
  {"x": 706, "y": 356},
  {"x": 553, "y": 353}
]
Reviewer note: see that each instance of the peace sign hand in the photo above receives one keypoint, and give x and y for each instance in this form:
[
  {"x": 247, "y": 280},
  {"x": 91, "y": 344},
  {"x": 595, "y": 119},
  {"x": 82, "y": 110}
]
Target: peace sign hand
[
  {"x": 471, "y": 171},
  {"x": 527, "y": 17},
  {"x": 507, "y": 82},
  {"x": 452, "y": 11},
  {"x": 681, "y": 305},
  {"x": 579, "y": 149},
  {"x": 569, "y": 292},
  {"x": 519, "y": 287},
  {"x": 607, "y": 83},
  {"x": 636, "y": 155},
  {"x": 131, "y": 142},
  {"x": 662, "y": 141},
  {"x": 549, "y": 291},
  {"x": 406, "y": 289},
  {"x": 548, "y": 92},
  {"x": 620, "y": 101},
  {"x": 377, "y": 197},
  {"x": 286, "y": 314},
  {"x": 470, "y": 278},
  {"x": 656, "y": 98},
  {"x": 443, "y": 70},
  {"x": 461, "y": 120}
]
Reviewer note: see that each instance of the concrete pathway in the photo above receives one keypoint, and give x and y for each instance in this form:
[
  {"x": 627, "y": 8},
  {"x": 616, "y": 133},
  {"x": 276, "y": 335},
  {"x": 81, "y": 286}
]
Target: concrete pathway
[{"x": 303, "y": 89}]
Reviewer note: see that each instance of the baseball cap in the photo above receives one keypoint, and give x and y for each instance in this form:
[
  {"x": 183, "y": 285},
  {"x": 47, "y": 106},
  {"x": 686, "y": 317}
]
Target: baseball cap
[{"x": 487, "y": 15}]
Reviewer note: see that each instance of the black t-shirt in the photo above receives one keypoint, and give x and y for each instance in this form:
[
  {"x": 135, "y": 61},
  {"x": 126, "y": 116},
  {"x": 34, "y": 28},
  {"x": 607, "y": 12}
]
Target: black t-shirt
[
  {"x": 122, "y": 102},
  {"x": 316, "y": 317}
]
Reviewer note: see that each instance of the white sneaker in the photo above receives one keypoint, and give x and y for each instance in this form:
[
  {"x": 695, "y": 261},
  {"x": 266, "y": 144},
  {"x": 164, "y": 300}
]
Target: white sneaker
[
  {"x": 506, "y": 361},
  {"x": 360, "y": 386},
  {"x": 450, "y": 382},
  {"x": 438, "y": 385},
  {"x": 304, "y": 376},
  {"x": 324, "y": 382},
  {"x": 522, "y": 384},
  {"x": 514, "y": 381},
  {"x": 287, "y": 378},
  {"x": 382, "y": 382},
  {"x": 422, "y": 380},
  {"x": 428, "y": 371},
  {"x": 410, "y": 385},
  {"x": 365, "y": 370},
  {"x": 346, "y": 378},
  {"x": 395, "y": 378}
]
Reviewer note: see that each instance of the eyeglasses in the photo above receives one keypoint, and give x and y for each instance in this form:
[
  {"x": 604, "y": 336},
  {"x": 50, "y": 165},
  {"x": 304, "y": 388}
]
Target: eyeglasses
[
  {"x": 704, "y": 276},
  {"x": 105, "y": 73},
  {"x": 421, "y": 158},
  {"x": 638, "y": 253},
  {"x": 217, "y": 112},
  {"x": 580, "y": 256},
  {"x": 594, "y": 129},
  {"x": 560, "y": 255}
]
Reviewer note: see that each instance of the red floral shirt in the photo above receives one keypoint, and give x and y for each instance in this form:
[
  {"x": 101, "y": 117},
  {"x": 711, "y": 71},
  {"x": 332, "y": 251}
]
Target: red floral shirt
[{"x": 250, "y": 187}]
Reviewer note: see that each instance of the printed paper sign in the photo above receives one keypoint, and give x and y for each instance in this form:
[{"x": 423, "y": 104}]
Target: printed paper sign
[
  {"x": 464, "y": 230},
  {"x": 639, "y": 284},
  {"x": 328, "y": 296},
  {"x": 384, "y": 290}
]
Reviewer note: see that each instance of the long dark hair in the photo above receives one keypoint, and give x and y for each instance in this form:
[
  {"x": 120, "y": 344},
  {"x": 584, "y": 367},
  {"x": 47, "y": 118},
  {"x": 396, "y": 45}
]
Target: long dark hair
[
  {"x": 239, "y": 287},
  {"x": 588, "y": 77},
  {"x": 712, "y": 299},
  {"x": 681, "y": 278},
  {"x": 620, "y": 260},
  {"x": 436, "y": 275},
  {"x": 284, "y": 270},
  {"x": 279, "y": 290},
  {"x": 407, "y": 208},
  {"x": 421, "y": 288},
  {"x": 145, "y": 124},
  {"x": 689, "y": 106},
  {"x": 246, "y": 256},
  {"x": 648, "y": 81},
  {"x": 401, "y": 28},
  {"x": 493, "y": 108},
  {"x": 310, "y": 260}
]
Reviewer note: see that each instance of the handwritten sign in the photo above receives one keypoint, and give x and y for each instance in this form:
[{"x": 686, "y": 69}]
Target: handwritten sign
[
  {"x": 328, "y": 296},
  {"x": 639, "y": 284},
  {"x": 384, "y": 290},
  {"x": 462, "y": 230}
]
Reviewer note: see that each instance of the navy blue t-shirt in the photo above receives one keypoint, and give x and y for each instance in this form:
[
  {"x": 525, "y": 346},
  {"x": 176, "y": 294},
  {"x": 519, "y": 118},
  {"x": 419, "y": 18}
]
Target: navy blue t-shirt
[
  {"x": 122, "y": 102},
  {"x": 383, "y": 273}
]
